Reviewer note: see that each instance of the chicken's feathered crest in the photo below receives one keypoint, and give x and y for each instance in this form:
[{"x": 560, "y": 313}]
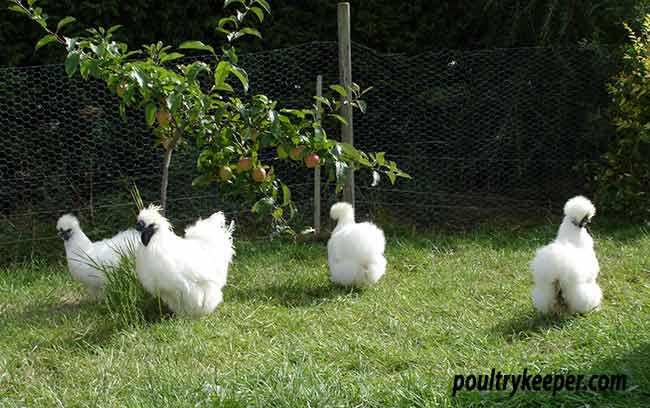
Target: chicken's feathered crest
[
  {"x": 67, "y": 221},
  {"x": 152, "y": 215},
  {"x": 578, "y": 208},
  {"x": 342, "y": 211}
]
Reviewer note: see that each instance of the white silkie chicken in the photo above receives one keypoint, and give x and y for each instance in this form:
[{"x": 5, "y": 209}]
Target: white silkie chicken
[
  {"x": 565, "y": 271},
  {"x": 188, "y": 274},
  {"x": 86, "y": 258},
  {"x": 355, "y": 252}
]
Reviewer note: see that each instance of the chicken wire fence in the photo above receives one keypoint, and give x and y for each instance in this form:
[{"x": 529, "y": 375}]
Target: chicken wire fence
[{"x": 482, "y": 133}]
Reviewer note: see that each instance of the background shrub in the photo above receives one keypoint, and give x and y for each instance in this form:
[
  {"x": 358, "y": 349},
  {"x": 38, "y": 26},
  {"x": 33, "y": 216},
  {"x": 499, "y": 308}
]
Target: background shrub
[
  {"x": 622, "y": 178},
  {"x": 385, "y": 25}
]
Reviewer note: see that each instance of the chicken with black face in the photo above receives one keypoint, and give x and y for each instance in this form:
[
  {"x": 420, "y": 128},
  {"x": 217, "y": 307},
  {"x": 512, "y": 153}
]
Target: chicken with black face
[
  {"x": 187, "y": 273},
  {"x": 146, "y": 231}
]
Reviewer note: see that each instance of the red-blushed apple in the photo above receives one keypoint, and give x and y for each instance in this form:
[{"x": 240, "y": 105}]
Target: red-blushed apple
[
  {"x": 225, "y": 173},
  {"x": 312, "y": 160},
  {"x": 259, "y": 174},
  {"x": 244, "y": 164}
]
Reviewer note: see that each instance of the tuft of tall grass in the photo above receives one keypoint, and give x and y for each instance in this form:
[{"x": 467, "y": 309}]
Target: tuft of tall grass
[{"x": 126, "y": 301}]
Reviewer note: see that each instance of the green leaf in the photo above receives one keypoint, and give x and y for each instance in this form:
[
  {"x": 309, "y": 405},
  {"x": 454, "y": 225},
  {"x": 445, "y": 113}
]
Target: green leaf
[
  {"x": 172, "y": 56},
  {"x": 226, "y": 20},
  {"x": 249, "y": 31},
  {"x": 221, "y": 73},
  {"x": 368, "y": 89},
  {"x": 264, "y": 4},
  {"x": 71, "y": 63},
  {"x": 17, "y": 9},
  {"x": 263, "y": 205},
  {"x": 194, "y": 69},
  {"x": 286, "y": 195},
  {"x": 258, "y": 12},
  {"x": 196, "y": 45},
  {"x": 231, "y": 55},
  {"x": 362, "y": 105},
  {"x": 150, "y": 113},
  {"x": 173, "y": 101},
  {"x": 99, "y": 50},
  {"x": 45, "y": 40},
  {"x": 323, "y": 100},
  {"x": 241, "y": 75},
  {"x": 64, "y": 22},
  {"x": 379, "y": 157},
  {"x": 224, "y": 87},
  {"x": 138, "y": 76},
  {"x": 202, "y": 180},
  {"x": 114, "y": 28},
  {"x": 339, "y": 118},
  {"x": 339, "y": 89},
  {"x": 350, "y": 151},
  {"x": 87, "y": 67}
]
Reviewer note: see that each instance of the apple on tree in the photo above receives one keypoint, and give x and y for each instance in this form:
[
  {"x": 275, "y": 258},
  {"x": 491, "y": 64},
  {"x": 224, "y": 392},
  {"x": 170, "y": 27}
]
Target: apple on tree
[{"x": 312, "y": 160}]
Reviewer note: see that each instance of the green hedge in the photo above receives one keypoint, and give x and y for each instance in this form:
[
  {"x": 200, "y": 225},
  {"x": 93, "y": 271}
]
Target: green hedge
[{"x": 386, "y": 25}]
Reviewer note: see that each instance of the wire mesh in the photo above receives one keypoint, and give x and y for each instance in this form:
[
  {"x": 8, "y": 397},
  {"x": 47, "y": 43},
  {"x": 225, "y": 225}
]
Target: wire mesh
[{"x": 481, "y": 132}]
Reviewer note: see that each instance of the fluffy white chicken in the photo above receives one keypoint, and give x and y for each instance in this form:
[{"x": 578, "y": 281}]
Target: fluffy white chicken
[
  {"x": 189, "y": 273},
  {"x": 355, "y": 252},
  {"x": 565, "y": 271},
  {"x": 86, "y": 258}
]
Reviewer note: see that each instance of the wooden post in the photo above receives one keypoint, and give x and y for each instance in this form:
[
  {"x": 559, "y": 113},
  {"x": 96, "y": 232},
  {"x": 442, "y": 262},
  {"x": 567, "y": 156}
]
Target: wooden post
[
  {"x": 345, "y": 75},
  {"x": 319, "y": 92}
]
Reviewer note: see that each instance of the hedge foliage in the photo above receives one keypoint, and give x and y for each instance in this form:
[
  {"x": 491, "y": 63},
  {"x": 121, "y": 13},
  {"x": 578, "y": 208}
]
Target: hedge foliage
[
  {"x": 621, "y": 179},
  {"x": 386, "y": 25}
]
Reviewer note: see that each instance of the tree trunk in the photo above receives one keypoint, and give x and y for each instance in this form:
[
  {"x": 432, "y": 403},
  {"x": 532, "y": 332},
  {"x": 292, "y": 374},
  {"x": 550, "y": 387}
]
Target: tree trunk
[{"x": 165, "y": 179}]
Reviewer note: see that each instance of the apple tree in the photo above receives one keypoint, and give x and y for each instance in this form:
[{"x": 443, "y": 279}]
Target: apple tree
[{"x": 240, "y": 136}]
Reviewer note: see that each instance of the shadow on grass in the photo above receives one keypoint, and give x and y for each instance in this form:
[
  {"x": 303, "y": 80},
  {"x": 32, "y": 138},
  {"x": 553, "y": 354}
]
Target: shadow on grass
[
  {"x": 529, "y": 323},
  {"x": 635, "y": 365},
  {"x": 634, "y": 392},
  {"x": 68, "y": 323},
  {"x": 72, "y": 322},
  {"x": 291, "y": 295}
]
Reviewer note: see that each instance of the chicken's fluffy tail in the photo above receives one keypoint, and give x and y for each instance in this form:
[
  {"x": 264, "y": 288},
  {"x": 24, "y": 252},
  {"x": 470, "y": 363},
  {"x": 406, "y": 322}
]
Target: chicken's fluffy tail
[{"x": 212, "y": 228}]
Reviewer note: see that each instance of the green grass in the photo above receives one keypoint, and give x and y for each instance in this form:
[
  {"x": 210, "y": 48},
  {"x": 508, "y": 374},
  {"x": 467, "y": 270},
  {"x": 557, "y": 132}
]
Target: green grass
[{"x": 450, "y": 303}]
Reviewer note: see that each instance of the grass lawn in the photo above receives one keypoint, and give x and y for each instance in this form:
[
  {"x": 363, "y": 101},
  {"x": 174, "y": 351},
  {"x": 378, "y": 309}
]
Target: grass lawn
[{"x": 450, "y": 303}]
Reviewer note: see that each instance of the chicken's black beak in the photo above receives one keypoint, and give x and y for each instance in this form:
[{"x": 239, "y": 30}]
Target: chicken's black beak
[
  {"x": 64, "y": 234},
  {"x": 583, "y": 223},
  {"x": 145, "y": 232}
]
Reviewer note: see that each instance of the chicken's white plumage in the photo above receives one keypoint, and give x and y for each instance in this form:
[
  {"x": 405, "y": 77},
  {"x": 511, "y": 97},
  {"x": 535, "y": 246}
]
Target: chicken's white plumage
[
  {"x": 187, "y": 273},
  {"x": 86, "y": 259},
  {"x": 355, "y": 251},
  {"x": 565, "y": 271}
]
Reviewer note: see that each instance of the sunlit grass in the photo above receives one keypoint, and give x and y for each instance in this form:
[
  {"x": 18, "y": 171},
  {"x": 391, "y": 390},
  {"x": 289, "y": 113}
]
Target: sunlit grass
[{"x": 450, "y": 303}]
